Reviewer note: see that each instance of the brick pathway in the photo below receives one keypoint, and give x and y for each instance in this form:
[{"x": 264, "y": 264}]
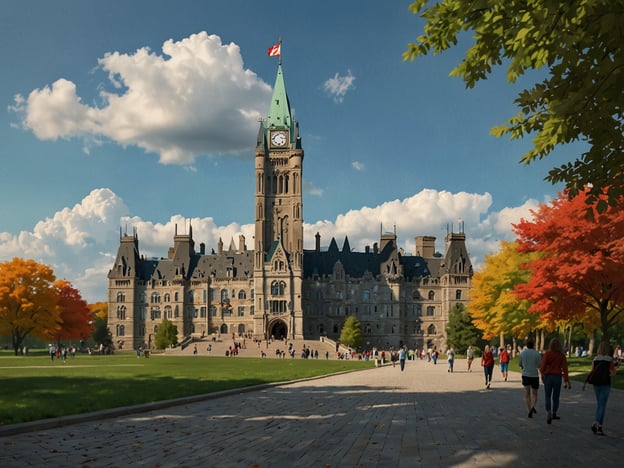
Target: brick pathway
[{"x": 381, "y": 417}]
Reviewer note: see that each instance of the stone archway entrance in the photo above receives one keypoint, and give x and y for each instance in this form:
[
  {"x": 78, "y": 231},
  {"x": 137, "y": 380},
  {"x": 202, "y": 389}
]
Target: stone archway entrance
[{"x": 278, "y": 330}]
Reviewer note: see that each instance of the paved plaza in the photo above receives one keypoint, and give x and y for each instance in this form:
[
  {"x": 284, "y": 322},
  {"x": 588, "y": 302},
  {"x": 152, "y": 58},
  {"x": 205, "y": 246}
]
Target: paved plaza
[{"x": 380, "y": 417}]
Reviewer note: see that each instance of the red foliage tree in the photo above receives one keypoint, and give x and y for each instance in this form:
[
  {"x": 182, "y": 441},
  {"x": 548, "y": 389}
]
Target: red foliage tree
[
  {"x": 580, "y": 269},
  {"x": 76, "y": 316}
]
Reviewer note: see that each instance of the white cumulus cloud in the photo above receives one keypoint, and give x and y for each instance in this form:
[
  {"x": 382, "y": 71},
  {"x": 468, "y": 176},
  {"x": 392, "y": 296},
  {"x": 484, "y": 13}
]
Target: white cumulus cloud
[
  {"x": 338, "y": 86},
  {"x": 80, "y": 243},
  {"x": 196, "y": 98}
]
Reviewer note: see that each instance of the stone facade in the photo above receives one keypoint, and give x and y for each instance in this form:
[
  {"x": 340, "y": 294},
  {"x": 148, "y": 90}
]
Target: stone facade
[{"x": 279, "y": 289}]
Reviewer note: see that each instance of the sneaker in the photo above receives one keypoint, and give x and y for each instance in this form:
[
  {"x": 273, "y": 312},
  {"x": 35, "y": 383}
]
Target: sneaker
[
  {"x": 549, "y": 418},
  {"x": 594, "y": 428},
  {"x": 599, "y": 431},
  {"x": 533, "y": 410},
  {"x": 531, "y": 414}
]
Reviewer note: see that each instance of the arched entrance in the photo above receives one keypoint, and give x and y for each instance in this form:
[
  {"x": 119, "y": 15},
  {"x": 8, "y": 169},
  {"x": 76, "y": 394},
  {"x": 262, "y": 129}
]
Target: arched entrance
[{"x": 278, "y": 330}]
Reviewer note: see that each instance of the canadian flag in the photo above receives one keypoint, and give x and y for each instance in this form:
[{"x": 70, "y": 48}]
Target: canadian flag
[{"x": 276, "y": 50}]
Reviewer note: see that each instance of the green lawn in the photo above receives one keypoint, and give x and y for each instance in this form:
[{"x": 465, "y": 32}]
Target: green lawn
[{"x": 35, "y": 388}]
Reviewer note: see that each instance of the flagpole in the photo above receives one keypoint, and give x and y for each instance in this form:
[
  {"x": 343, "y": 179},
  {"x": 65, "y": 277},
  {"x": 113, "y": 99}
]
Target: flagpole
[{"x": 279, "y": 60}]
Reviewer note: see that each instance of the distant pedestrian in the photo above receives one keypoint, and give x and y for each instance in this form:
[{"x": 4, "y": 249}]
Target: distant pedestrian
[
  {"x": 503, "y": 359},
  {"x": 450, "y": 357},
  {"x": 194, "y": 350},
  {"x": 402, "y": 357},
  {"x": 434, "y": 356},
  {"x": 469, "y": 357},
  {"x": 603, "y": 368},
  {"x": 52, "y": 350},
  {"x": 393, "y": 357},
  {"x": 529, "y": 361},
  {"x": 554, "y": 365},
  {"x": 487, "y": 361}
]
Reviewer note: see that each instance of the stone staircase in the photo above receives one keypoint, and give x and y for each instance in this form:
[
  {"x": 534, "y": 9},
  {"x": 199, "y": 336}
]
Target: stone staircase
[{"x": 248, "y": 348}]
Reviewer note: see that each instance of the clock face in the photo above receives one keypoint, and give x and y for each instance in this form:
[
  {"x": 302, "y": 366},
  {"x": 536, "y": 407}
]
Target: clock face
[{"x": 279, "y": 138}]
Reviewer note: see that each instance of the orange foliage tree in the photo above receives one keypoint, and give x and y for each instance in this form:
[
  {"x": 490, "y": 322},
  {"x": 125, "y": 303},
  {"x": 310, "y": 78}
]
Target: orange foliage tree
[
  {"x": 581, "y": 263},
  {"x": 28, "y": 301},
  {"x": 76, "y": 317}
]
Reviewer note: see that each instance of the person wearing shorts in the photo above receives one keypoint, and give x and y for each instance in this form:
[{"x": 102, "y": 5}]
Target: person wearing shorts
[
  {"x": 503, "y": 357},
  {"x": 529, "y": 361}
]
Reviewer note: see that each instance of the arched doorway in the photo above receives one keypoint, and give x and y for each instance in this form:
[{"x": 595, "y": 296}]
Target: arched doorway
[{"x": 278, "y": 330}]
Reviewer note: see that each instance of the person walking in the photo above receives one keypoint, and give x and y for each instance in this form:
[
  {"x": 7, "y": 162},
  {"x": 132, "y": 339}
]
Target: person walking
[
  {"x": 603, "y": 368},
  {"x": 450, "y": 357},
  {"x": 554, "y": 365},
  {"x": 530, "y": 361},
  {"x": 402, "y": 357},
  {"x": 469, "y": 357},
  {"x": 503, "y": 359},
  {"x": 487, "y": 361}
]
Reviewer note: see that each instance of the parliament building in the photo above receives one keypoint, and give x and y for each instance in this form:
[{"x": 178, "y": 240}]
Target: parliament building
[{"x": 278, "y": 289}]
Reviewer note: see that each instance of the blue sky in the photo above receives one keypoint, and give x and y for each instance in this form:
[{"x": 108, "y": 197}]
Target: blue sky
[{"x": 144, "y": 114}]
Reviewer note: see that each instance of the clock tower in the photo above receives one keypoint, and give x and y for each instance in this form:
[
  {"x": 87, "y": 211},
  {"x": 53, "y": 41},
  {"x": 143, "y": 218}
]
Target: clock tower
[{"x": 278, "y": 240}]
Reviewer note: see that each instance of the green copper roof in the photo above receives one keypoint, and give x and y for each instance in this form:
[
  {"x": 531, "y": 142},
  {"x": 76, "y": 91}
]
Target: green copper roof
[{"x": 279, "y": 112}]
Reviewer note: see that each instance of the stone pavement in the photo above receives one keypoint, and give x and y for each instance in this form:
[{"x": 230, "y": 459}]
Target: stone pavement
[{"x": 422, "y": 417}]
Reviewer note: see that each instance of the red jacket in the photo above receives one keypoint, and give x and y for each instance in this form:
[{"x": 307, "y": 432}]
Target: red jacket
[
  {"x": 487, "y": 360},
  {"x": 554, "y": 364}
]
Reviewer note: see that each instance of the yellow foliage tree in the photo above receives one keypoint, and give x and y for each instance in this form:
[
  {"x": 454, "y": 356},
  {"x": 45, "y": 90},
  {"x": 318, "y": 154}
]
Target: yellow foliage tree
[
  {"x": 494, "y": 307},
  {"x": 28, "y": 301}
]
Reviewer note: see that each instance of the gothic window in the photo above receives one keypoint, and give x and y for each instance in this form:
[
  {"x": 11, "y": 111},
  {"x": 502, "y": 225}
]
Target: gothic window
[
  {"x": 458, "y": 294},
  {"x": 252, "y": 293},
  {"x": 366, "y": 295},
  {"x": 251, "y": 310},
  {"x": 430, "y": 310},
  {"x": 431, "y": 295},
  {"x": 223, "y": 328},
  {"x": 277, "y": 288},
  {"x": 241, "y": 328},
  {"x": 155, "y": 298},
  {"x": 176, "y": 312},
  {"x": 202, "y": 312},
  {"x": 168, "y": 313},
  {"x": 143, "y": 297},
  {"x": 286, "y": 183},
  {"x": 415, "y": 295},
  {"x": 121, "y": 297},
  {"x": 241, "y": 311},
  {"x": 242, "y": 294},
  {"x": 121, "y": 330},
  {"x": 167, "y": 297},
  {"x": 224, "y": 295},
  {"x": 121, "y": 312},
  {"x": 431, "y": 330},
  {"x": 176, "y": 296}
]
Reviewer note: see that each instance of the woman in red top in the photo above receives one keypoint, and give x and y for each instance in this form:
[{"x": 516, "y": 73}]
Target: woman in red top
[
  {"x": 487, "y": 361},
  {"x": 554, "y": 365}
]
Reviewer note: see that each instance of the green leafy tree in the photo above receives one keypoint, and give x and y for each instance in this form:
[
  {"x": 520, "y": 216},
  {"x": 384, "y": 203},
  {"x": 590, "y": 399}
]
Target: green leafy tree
[
  {"x": 167, "y": 335},
  {"x": 351, "y": 334},
  {"x": 101, "y": 334},
  {"x": 461, "y": 332},
  {"x": 581, "y": 99}
]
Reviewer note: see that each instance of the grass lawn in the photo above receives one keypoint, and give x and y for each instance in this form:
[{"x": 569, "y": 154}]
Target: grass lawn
[{"x": 35, "y": 388}]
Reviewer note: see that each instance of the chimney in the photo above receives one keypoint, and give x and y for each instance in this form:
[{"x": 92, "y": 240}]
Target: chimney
[
  {"x": 202, "y": 248},
  {"x": 425, "y": 246},
  {"x": 220, "y": 247},
  {"x": 317, "y": 247},
  {"x": 241, "y": 243}
]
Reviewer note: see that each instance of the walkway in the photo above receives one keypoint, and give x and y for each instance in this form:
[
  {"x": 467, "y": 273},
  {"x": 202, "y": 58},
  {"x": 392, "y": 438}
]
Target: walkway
[{"x": 422, "y": 417}]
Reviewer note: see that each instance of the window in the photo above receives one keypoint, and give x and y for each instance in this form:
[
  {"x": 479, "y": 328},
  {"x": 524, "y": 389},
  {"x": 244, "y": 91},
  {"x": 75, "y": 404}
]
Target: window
[
  {"x": 242, "y": 294},
  {"x": 366, "y": 295},
  {"x": 430, "y": 310},
  {"x": 213, "y": 311},
  {"x": 277, "y": 288},
  {"x": 241, "y": 311},
  {"x": 458, "y": 295},
  {"x": 168, "y": 313},
  {"x": 121, "y": 312},
  {"x": 167, "y": 297},
  {"x": 202, "y": 312},
  {"x": 415, "y": 295},
  {"x": 176, "y": 312},
  {"x": 431, "y": 330},
  {"x": 121, "y": 330},
  {"x": 155, "y": 298},
  {"x": 213, "y": 294},
  {"x": 431, "y": 295},
  {"x": 224, "y": 295},
  {"x": 251, "y": 310},
  {"x": 121, "y": 297}
]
